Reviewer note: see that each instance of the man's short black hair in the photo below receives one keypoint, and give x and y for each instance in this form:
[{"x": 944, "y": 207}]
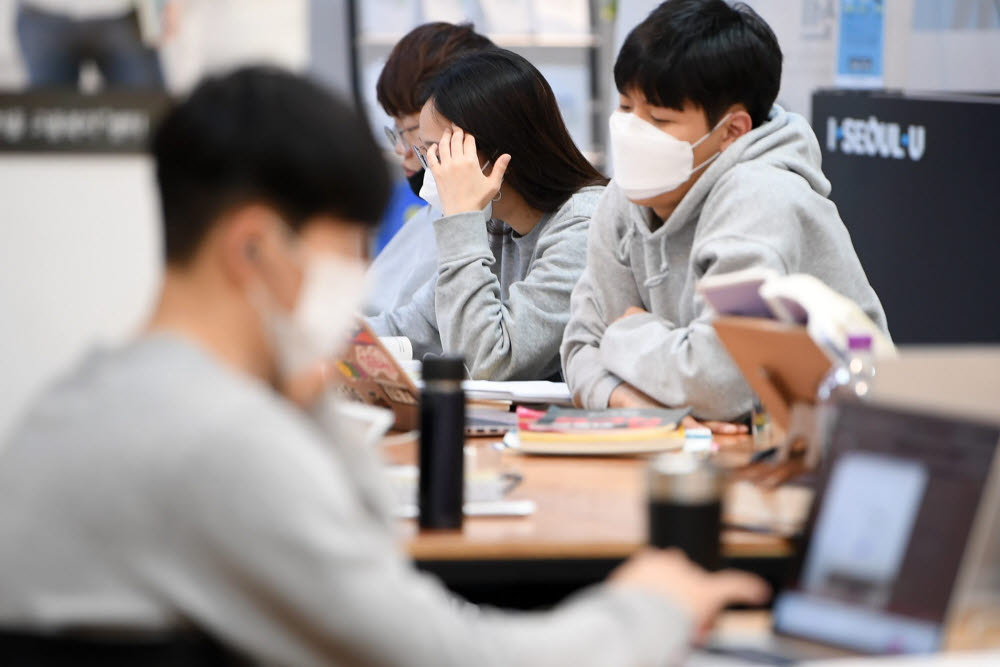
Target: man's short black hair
[
  {"x": 706, "y": 52},
  {"x": 263, "y": 135}
]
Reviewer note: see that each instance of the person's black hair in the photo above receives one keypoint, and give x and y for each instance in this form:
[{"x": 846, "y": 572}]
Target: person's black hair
[
  {"x": 263, "y": 135},
  {"x": 507, "y": 105},
  {"x": 418, "y": 58},
  {"x": 705, "y": 52}
]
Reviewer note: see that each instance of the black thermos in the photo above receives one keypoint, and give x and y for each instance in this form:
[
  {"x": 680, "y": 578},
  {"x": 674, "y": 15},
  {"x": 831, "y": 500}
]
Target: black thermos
[
  {"x": 442, "y": 443},
  {"x": 685, "y": 506}
]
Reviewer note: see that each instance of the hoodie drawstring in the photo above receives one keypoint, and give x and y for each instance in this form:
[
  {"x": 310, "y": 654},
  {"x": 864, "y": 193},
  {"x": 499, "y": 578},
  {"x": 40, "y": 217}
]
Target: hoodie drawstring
[
  {"x": 622, "y": 253},
  {"x": 662, "y": 271},
  {"x": 624, "y": 244}
]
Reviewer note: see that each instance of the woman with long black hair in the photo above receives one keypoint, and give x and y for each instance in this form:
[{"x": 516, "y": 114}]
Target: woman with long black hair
[{"x": 517, "y": 196}]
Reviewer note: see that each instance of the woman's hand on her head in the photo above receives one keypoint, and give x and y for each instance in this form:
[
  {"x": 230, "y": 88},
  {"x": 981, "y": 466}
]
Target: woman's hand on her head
[{"x": 461, "y": 183}]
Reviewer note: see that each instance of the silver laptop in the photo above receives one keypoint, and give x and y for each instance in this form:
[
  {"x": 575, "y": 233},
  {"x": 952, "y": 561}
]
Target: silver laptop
[{"x": 905, "y": 506}]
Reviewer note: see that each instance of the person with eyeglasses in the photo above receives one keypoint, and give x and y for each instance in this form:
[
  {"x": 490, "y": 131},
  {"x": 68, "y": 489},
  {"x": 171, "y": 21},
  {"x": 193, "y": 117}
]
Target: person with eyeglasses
[
  {"x": 410, "y": 258},
  {"x": 517, "y": 196}
]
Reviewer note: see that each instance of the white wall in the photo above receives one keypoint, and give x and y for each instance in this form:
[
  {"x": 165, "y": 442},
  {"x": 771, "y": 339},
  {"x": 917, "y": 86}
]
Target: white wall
[
  {"x": 919, "y": 55},
  {"x": 79, "y": 235},
  {"x": 80, "y": 245},
  {"x": 215, "y": 35}
]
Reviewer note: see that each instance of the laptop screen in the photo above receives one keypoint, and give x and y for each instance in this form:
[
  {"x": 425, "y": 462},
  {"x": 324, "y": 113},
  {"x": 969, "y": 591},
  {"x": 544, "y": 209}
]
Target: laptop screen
[{"x": 898, "y": 496}]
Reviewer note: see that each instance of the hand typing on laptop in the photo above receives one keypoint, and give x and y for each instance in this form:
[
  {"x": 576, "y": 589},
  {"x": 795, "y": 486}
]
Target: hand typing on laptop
[{"x": 703, "y": 595}]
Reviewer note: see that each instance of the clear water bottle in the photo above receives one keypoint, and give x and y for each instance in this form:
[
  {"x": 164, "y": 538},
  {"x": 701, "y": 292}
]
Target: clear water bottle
[
  {"x": 849, "y": 380},
  {"x": 853, "y": 379}
]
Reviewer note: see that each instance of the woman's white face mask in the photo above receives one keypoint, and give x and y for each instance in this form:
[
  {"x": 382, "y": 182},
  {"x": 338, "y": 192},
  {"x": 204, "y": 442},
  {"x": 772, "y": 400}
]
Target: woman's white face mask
[
  {"x": 649, "y": 162},
  {"x": 429, "y": 191},
  {"x": 333, "y": 288}
]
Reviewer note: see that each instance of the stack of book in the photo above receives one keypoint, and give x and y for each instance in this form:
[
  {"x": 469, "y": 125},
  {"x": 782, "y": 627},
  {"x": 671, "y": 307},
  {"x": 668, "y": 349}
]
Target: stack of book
[{"x": 614, "y": 432}]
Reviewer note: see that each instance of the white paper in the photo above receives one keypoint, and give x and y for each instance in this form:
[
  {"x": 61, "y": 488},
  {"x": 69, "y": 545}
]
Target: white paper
[
  {"x": 399, "y": 347},
  {"x": 532, "y": 391}
]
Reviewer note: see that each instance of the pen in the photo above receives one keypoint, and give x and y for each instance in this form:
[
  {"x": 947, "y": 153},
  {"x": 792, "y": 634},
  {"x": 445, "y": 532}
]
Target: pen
[{"x": 763, "y": 455}]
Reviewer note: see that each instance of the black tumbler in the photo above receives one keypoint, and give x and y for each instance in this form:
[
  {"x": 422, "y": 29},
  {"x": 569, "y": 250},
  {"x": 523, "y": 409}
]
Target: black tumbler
[
  {"x": 685, "y": 506},
  {"x": 442, "y": 443}
]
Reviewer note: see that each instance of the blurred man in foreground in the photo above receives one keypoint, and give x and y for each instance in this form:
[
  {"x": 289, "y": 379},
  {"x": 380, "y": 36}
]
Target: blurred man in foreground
[{"x": 168, "y": 484}]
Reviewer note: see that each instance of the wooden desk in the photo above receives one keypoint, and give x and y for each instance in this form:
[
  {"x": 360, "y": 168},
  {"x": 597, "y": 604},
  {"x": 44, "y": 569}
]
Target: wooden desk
[
  {"x": 591, "y": 514},
  {"x": 586, "y": 508}
]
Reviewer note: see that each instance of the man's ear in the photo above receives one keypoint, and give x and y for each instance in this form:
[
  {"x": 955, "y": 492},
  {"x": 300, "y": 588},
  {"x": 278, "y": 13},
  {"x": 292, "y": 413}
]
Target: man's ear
[
  {"x": 738, "y": 124},
  {"x": 242, "y": 246}
]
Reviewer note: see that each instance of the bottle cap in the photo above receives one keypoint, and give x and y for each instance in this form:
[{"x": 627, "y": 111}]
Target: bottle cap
[
  {"x": 859, "y": 342},
  {"x": 443, "y": 368},
  {"x": 684, "y": 479}
]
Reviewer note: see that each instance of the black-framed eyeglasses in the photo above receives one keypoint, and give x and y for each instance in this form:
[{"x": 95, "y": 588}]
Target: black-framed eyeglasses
[
  {"x": 421, "y": 154},
  {"x": 397, "y": 136}
]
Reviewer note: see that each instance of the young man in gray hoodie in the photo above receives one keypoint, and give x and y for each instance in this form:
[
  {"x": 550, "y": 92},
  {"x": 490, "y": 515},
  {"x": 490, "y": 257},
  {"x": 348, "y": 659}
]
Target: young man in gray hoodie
[{"x": 710, "y": 177}]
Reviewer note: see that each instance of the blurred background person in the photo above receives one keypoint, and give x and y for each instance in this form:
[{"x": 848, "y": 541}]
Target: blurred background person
[
  {"x": 409, "y": 259},
  {"x": 512, "y": 240},
  {"x": 58, "y": 38}
]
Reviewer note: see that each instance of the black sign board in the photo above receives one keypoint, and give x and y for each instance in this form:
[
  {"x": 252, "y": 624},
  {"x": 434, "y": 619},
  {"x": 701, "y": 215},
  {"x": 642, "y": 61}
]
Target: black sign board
[
  {"x": 917, "y": 182},
  {"x": 70, "y": 122}
]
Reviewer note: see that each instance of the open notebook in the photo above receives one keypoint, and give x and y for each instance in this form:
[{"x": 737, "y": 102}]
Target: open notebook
[{"x": 517, "y": 391}]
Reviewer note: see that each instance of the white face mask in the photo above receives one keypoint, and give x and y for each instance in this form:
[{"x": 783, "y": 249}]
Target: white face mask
[
  {"x": 429, "y": 192},
  {"x": 332, "y": 291},
  {"x": 649, "y": 162}
]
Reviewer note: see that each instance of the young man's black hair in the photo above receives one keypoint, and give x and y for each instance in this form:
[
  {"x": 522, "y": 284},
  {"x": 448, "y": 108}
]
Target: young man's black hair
[
  {"x": 261, "y": 135},
  {"x": 706, "y": 52}
]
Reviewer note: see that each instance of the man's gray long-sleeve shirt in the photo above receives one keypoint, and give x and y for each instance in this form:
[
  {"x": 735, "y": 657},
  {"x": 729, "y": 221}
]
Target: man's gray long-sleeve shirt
[{"x": 154, "y": 488}]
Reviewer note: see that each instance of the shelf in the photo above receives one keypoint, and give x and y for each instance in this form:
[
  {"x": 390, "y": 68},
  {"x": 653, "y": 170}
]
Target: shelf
[{"x": 504, "y": 40}]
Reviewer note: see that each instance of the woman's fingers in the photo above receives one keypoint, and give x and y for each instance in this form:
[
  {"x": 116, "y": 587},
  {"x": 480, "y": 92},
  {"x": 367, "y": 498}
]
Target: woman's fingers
[
  {"x": 444, "y": 147},
  {"x": 460, "y": 177},
  {"x": 456, "y": 141},
  {"x": 499, "y": 169}
]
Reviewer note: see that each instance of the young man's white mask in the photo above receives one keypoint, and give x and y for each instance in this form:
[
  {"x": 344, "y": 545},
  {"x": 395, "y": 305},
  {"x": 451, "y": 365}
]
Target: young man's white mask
[
  {"x": 649, "y": 162},
  {"x": 332, "y": 291}
]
